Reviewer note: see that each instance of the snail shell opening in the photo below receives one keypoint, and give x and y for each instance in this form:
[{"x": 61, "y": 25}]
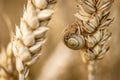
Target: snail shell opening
[{"x": 74, "y": 41}]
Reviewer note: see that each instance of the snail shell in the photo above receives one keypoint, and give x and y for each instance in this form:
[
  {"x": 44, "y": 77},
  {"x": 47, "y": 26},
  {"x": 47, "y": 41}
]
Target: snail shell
[{"x": 74, "y": 41}]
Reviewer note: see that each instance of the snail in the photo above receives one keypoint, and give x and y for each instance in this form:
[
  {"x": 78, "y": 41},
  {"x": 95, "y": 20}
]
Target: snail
[
  {"x": 73, "y": 37},
  {"x": 74, "y": 41}
]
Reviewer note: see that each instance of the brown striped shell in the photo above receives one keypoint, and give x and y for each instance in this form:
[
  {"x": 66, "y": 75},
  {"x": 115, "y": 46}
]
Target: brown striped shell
[{"x": 74, "y": 41}]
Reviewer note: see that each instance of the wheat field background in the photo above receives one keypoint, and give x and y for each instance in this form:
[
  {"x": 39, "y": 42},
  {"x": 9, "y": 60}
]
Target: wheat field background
[{"x": 57, "y": 61}]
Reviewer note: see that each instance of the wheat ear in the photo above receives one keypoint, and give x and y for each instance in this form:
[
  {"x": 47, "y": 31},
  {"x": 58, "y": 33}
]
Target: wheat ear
[
  {"x": 7, "y": 64},
  {"x": 94, "y": 17},
  {"x": 30, "y": 36}
]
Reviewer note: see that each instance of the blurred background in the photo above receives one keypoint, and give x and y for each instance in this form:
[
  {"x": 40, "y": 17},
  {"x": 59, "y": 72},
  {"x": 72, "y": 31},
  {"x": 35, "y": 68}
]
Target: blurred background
[{"x": 57, "y": 61}]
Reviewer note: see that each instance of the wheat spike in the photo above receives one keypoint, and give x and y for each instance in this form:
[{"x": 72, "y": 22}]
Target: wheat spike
[
  {"x": 94, "y": 16},
  {"x": 30, "y": 36},
  {"x": 7, "y": 64}
]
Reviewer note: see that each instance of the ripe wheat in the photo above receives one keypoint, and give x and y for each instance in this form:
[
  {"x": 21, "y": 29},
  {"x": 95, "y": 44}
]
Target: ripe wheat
[
  {"x": 94, "y": 16},
  {"x": 30, "y": 36},
  {"x": 7, "y": 64},
  {"x": 90, "y": 32}
]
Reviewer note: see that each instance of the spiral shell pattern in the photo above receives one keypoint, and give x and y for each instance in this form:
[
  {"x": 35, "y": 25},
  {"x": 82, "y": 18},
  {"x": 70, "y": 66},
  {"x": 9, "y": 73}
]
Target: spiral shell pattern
[{"x": 74, "y": 41}]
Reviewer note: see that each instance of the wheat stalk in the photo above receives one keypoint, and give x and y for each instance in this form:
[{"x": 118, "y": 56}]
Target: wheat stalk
[
  {"x": 30, "y": 36},
  {"x": 7, "y": 64},
  {"x": 94, "y": 17}
]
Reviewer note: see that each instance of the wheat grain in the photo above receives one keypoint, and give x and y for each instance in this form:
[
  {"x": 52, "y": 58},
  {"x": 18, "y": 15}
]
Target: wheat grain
[
  {"x": 94, "y": 15},
  {"x": 92, "y": 29},
  {"x": 30, "y": 36},
  {"x": 7, "y": 64}
]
